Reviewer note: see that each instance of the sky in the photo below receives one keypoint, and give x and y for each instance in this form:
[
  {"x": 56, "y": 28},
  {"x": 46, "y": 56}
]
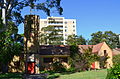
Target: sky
[{"x": 91, "y": 15}]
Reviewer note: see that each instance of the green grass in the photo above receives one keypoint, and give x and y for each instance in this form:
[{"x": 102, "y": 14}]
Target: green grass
[
  {"x": 11, "y": 76},
  {"x": 98, "y": 74}
]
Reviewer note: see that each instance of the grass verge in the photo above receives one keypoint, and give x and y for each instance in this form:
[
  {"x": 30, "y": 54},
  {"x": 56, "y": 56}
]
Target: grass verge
[
  {"x": 11, "y": 76},
  {"x": 94, "y": 74}
]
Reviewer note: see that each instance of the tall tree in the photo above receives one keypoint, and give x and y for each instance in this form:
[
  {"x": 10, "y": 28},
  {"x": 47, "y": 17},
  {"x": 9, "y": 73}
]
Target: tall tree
[
  {"x": 11, "y": 44},
  {"x": 112, "y": 39},
  {"x": 96, "y": 38},
  {"x": 11, "y": 9},
  {"x": 51, "y": 36},
  {"x": 76, "y": 40}
]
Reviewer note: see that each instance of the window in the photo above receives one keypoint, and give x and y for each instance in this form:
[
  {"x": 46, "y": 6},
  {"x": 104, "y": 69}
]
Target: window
[
  {"x": 45, "y": 22},
  {"x": 105, "y": 52},
  {"x": 65, "y": 30},
  {"x": 47, "y": 60},
  {"x": 65, "y": 26},
  {"x": 73, "y": 21},
  {"x": 73, "y": 26},
  {"x": 65, "y": 22},
  {"x": 73, "y": 30}
]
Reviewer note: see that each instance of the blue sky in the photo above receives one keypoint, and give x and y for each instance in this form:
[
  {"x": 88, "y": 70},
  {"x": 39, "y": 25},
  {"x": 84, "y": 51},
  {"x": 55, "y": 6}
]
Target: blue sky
[{"x": 91, "y": 15}]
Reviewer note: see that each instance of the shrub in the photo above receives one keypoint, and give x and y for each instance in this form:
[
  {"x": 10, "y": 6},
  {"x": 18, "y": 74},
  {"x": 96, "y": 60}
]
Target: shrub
[
  {"x": 116, "y": 59},
  {"x": 114, "y": 73},
  {"x": 58, "y": 66},
  {"x": 71, "y": 69}
]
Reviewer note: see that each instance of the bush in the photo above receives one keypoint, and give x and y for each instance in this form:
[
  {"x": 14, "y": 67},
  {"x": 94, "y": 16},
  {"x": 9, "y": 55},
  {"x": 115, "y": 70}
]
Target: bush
[
  {"x": 58, "y": 67},
  {"x": 71, "y": 69},
  {"x": 114, "y": 73},
  {"x": 116, "y": 59}
]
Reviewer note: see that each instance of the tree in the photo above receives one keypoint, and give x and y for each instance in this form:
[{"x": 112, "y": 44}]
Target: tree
[
  {"x": 109, "y": 37},
  {"x": 11, "y": 9},
  {"x": 11, "y": 44},
  {"x": 76, "y": 40},
  {"x": 51, "y": 36},
  {"x": 83, "y": 60},
  {"x": 96, "y": 38},
  {"x": 81, "y": 40},
  {"x": 103, "y": 61},
  {"x": 116, "y": 59},
  {"x": 1, "y": 24}
]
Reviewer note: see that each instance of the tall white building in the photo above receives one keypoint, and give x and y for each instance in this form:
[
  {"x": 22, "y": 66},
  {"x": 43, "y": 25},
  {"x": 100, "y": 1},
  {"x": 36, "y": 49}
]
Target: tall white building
[{"x": 67, "y": 26}]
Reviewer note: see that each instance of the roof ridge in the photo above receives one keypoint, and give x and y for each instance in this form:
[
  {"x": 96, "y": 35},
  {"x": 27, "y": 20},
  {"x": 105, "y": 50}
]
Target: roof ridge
[{"x": 97, "y": 46}]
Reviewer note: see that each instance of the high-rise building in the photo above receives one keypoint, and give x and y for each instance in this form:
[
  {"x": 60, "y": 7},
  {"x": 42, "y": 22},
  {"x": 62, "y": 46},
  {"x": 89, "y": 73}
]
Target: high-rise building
[{"x": 67, "y": 26}]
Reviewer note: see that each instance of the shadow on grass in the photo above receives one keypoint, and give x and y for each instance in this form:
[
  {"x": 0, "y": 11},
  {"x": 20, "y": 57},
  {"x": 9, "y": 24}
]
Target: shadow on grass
[
  {"x": 11, "y": 76},
  {"x": 55, "y": 74}
]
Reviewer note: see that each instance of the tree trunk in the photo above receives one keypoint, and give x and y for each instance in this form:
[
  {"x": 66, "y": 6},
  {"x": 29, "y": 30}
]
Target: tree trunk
[
  {"x": 4, "y": 15},
  {"x": 4, "y": 68}
]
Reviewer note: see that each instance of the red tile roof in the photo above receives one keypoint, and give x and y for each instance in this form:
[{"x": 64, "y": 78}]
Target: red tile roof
[
  {"x": 95, "y": 48},
  {"x": 116, "y": 51}
]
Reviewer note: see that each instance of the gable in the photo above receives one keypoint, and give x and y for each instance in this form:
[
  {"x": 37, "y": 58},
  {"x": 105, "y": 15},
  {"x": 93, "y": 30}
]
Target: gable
[
  {"x": 105, "y": 48},
  {"x": 97, "y": 47}
]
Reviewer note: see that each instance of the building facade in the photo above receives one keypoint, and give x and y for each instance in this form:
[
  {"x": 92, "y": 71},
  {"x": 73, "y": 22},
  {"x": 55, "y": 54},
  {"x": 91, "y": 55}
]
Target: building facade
[
  {"x": 102, "y": 50},
  {"x": 36, "y": 55},
  {"x": 67, "y": 26}
]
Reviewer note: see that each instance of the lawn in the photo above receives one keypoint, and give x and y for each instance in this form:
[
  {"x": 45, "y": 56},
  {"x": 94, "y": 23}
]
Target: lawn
[
  {"x": 98, "y": 74},
  {"x": 11, "y": 76}
]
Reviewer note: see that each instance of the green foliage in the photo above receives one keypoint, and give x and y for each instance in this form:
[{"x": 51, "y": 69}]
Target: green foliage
[
  {"x": 10, "y": 44},
  {"x": 58, "y": 66},
  {"x": 108, "y": 36},
  {"x": 96, "y": 38},
  {"x": 73, "y": 51},
  {"x": 114, "y": 72},
  {"x": 53, "y": 76},
  {"x": 11, "y": 76},
  {"x": 76, "y": 40},
  {"x": 14, "y": 7},
  {"x": 103, "y": 61},
  {"x": 82, "y": 61},
  {"x": 86, "y": 58},
  {"x": 71, "y": 69},
  {"x": 1, "y": 24},
  {"x": 116, "y": 59},
  {"x": 51, "y": 36}
]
